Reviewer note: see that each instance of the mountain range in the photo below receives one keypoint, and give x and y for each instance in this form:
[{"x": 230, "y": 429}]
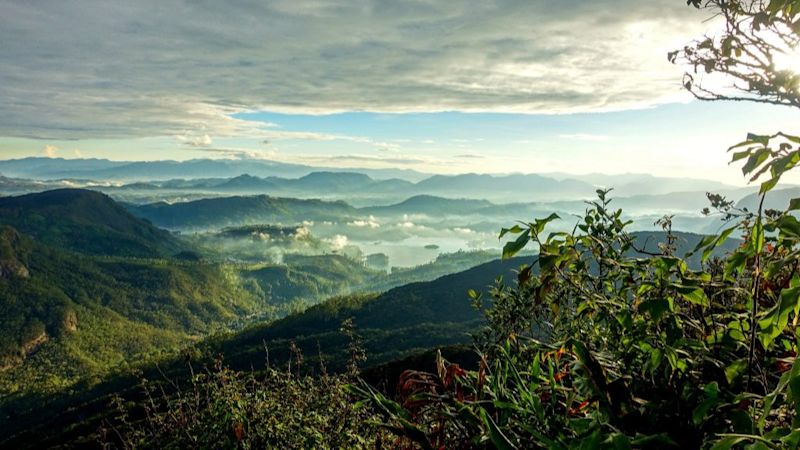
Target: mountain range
[{"x": 276, "y": 178}]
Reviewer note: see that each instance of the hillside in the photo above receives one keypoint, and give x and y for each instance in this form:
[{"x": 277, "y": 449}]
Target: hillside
[
  {"x": 240, "y": 210},
  {"x": 85, "y": 221},
  {"x": 776, "y": 199},
  {"x": 398, "y": 322},
  {"x": 430, "y": 205},
  {"x": 68, "y": 316}
]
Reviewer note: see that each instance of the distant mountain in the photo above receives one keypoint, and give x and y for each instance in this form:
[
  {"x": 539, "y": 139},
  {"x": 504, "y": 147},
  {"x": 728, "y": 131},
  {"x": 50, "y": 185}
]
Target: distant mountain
[
  {"x": 240, "y": 210},
  {"x": 430, "y": 205},
  {"x": 245, "y": 183},
  {"x": 628, "y": 184},
  {"x": 46, "y": 168},
  {"x": 85, "y": 221},
  {"x": 775, "y": 199},
  {"x": 100, "y": 169},
  {"x": 515, "y": 187}
]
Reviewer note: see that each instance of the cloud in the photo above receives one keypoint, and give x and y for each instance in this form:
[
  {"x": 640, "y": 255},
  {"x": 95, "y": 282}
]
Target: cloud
[
  {"x": 370, "y": 222},
  {"x": 470, "y": 156},
  {"x": 202, "y": 140},
  {"x": 338, "y": 242},
  {"x": 241, "y": 153},
  {"x": 50, "y": 151},
  {"x": 86, "y": 68}
]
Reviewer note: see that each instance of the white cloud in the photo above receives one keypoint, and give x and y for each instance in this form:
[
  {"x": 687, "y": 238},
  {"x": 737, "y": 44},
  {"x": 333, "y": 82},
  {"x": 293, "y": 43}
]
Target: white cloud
[
  {"x": 202, "y": 140},
  {"x": 338, "y": 242},
  {"x": 50, "y": 151},
  {"x": 87, "y": 68},
  {"x": 370, "y": 222}
]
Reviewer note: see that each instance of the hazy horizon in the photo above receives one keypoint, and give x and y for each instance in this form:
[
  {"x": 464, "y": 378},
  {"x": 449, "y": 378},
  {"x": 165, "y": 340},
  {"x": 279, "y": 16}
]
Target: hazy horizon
[{"x": 435, "y": 89}]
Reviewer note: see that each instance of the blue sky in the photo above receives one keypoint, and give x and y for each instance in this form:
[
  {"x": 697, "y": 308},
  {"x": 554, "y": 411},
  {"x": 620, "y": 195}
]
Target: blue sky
[{"x": 436, "y": 86}]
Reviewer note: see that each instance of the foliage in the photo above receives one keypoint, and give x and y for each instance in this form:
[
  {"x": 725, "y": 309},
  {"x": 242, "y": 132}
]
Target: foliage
[
  {"x": 87, "y": 222},
  {"x": 601, "y": 349},
  {"x": 221, "y": 408},
  {"x": 756, "y": 48},
  {"x": 605, "y": 344},
  {"x": 72, "y": 317}
]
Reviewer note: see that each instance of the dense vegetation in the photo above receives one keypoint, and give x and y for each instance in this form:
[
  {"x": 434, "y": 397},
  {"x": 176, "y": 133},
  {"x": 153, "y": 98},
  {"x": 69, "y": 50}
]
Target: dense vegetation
[
  {"x": 603, "y": 343},
  {"x": 85, "y": 221},
  {"x": 234, "y": 211},
  {"x": 602, "y": 339},
  {"x": 79, "y": 316}
]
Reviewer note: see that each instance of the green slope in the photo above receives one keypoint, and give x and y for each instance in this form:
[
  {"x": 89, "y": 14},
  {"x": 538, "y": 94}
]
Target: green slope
[
  {"x": 396, "y": 323},
  {"x": 67, "y": 316},
  {"x": 240, "y": 210},
  {"x": 87, "y": 222}
]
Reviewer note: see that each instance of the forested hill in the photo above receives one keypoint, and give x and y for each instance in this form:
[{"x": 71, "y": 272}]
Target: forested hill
[
  {"x": 400, "y": 321},
  {"x": 69, "y": 316},
  {"x": 240, "y": 210},
  {"x": 85, "y": 221}
]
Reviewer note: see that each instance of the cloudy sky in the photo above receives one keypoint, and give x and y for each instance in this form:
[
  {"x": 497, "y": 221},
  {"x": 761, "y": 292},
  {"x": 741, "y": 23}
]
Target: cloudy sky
[{"x": 438, "y": 86}]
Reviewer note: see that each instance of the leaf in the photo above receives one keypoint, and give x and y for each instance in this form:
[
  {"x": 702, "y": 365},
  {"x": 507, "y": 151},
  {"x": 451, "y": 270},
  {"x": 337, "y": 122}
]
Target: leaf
[
  {"x": 539, "y": 224},
  {"x": 693, "y": 294},
  {"x": 774, "y": 322},
  {"x": 496, "y": 435},
  {"x": 757, "y": 236},
  {"x": 701, "y": 411},
  {"x": 736, "y": 262},
  {"x": 789, "y": 226},
  {"x": 794, "y": 204},
  {"x": 516, "y": 229},
  {"x": 720, "y": 239},
  {"x": 768, "y": 185},
  {"x": 734, "y": 370},
  {"x": 513, "y": 247},
  {"x": 756, "y": 159},
  {"x": 728, "y": 442}
]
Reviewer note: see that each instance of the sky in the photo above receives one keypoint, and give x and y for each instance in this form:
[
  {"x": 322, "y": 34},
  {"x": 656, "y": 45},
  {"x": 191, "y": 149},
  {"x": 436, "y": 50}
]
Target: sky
[{"x": 437, "y": 86}]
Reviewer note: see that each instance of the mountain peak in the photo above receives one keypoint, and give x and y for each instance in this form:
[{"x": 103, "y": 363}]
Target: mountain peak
[{"x": 85, "y": 221}]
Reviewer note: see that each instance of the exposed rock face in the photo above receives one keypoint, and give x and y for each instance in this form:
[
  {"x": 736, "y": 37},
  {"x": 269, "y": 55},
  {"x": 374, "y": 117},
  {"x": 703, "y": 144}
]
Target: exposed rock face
[
  {"x": 28, "y": 347},
  {"x": 13, "y": 269},
  {"x": 10, "y": 265},
  {"x": 70, "y": 322},
  {"x": 32, "y": 345}
]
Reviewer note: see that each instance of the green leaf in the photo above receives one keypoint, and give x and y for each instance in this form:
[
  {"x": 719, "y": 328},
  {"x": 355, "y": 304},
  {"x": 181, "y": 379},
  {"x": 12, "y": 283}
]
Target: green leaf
[
  {"x": 539, "y": 224},
  {"x": 736, "y": 262},
  {"x": 516, "y": 229},
  {"x": 756, "y": 159},
  {"x": 734, "y": 370},
  {"x": 496, "y": 435},
  {"x": 774, "y": 322},
  {"x": 794, "y": 204},
  {"x": 757, "y": 236},
  {"x": 768, "y": 185},
  {"x": 789, "y": 226},
  {"x": 692, "y": 294},
  {"x": 727, "y": 443},
  {"x": 513, "y": 247},
  {"x": 701, "y": 411}
]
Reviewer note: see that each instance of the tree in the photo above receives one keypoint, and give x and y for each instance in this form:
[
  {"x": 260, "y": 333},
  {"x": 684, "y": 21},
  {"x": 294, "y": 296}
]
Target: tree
[{"x": 755, "y": 50}]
